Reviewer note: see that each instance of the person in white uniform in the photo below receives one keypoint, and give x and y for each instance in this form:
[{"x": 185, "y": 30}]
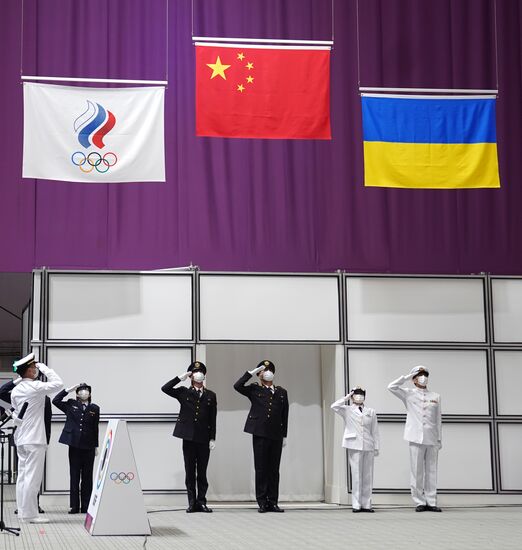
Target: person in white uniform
[
  {"x": 29, "y": 437},
  {"x": 361, "y": 438},
  {"x": 423, "y": 431}
]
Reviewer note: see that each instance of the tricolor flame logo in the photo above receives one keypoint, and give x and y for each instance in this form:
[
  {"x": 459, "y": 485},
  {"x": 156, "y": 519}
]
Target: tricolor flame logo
[{"x": 93, "y": 125}]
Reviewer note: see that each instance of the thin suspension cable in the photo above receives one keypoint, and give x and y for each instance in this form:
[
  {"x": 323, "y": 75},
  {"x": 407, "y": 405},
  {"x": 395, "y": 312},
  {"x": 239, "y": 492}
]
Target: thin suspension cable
[
  {"x": 333, "y": 20},
  {"x": 358, "y": 46},
  {"x": 496, "y": 38},
  {"x": 22, "y": 40},
  {"x": 167, "y": 40},
  {"x": 192, "y": 7}
]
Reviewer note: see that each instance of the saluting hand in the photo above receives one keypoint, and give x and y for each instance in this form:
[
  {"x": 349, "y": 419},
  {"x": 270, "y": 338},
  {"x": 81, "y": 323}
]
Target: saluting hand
[
  {"x": 72, "y": 388},
  {"x": 184, "y": 376},
  {"x": 255, "y": 371}
]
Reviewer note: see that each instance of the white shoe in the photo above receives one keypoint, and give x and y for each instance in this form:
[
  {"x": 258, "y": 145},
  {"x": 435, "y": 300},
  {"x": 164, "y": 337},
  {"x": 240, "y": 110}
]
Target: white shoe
[{"x": 38, "y": 519}]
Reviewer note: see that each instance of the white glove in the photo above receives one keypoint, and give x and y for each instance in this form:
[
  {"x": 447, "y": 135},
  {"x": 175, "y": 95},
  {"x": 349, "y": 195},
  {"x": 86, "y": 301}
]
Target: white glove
[
  {"x": 376, "y": 452},
  {"x": 439, "y": 445},
  {"x": 255, "y": 371},
  {"x": 414, "y": 371},
  {"x": 17, "y": 381},
  {"x": 72, "y": 388},
  {"x": 44, "y": 369},
  {"x": 96, "y": 451},
  {"x": 184, "y": 376},
  {"x": 284, "y": 441},
  {"x": 349, "y": 395},
  {"x": 211, "y": 444}
]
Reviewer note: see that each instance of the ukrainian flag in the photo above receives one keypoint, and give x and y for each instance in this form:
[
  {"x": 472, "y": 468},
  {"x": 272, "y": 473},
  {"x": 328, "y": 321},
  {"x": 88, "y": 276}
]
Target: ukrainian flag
[{"x": 430, "y": 142}]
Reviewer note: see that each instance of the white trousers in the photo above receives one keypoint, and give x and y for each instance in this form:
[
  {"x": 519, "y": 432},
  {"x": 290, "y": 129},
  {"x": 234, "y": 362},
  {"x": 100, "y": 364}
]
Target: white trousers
[
  {"x": 423, "y": 476},
  {"x": 31, "y": 459},
  {"x": 361, "y": 466}
]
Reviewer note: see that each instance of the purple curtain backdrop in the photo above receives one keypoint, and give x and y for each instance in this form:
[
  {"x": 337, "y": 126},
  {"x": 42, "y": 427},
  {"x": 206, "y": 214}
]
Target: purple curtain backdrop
[{"x": 263, "y": 205}]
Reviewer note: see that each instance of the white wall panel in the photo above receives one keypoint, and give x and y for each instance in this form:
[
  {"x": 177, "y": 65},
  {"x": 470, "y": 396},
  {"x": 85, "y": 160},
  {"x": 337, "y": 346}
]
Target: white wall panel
[
  {"x": 124, "y": 380},
  {"x": 450, "y": 371},
  {"x": 464, "y": 461},
  {"x": 508, "y": 367},
  {"x": 231, "y": 466},
  {"x": 159, "y": 457},
  {"x": 120, "y": 307},
  {"x": 507, "y": 310},
  {"x": 269, "y": 308},
  {"x": 415, "y": 309},
  {"x": 510, "y": 449}
]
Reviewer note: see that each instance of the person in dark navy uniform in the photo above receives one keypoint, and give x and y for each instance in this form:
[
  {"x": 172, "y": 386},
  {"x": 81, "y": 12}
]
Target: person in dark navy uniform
[
  {"x": 80, "y": 433},
  {"x": 267, "y": 421},
  {"x": 196, "y": 425}
]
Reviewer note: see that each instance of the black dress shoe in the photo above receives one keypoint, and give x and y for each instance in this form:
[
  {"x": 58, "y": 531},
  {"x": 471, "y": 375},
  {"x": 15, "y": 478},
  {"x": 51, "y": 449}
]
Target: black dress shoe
[
  {"x": 192, "y": 508},
  {"x": 432, "y": 508},
  {"x": 205, "y": 508},
  {"x": 84, "y": 510},
  {"x": 40, "y": 511},
  {"x": 356, "y": 510},
  {"x": 421, "y": 508},
  {"x": 262, "y": 509},
  {"x": 275, "y": 508},
  {"x": 74, "y": 511},
  {"x": 368, "y": 510}
]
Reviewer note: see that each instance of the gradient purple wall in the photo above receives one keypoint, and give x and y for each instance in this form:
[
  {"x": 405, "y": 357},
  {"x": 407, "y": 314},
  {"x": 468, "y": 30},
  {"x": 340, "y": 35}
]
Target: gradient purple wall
[{"x": 257, "y": 205}]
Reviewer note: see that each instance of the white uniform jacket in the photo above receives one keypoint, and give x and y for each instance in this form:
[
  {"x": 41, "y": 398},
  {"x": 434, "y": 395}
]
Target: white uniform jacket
[
  {"x": 361, "y": 431},
  {"x": 423, "y": 418},
  {"x": 31, "y": 430}
]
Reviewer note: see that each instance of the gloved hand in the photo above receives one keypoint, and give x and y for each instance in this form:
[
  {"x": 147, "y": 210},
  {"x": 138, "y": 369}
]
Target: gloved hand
[
  {"x": 72, "y": 388},
  {"x": 414, "y": 371},
  {"x": 96, "y": 451},
  {"x": 376, "y": 452},
  {"x": 255, "y": 371},
  {"x": 211, "y": 444},
  {"x": 284, "y": 441},
  {"x": 439, "y": 445},
  {"x": 44, "y": 369},
  {"x": 17, "y": 381},
  {"x": 349, "y": 395},
  {"x": 184, "y": 376}
]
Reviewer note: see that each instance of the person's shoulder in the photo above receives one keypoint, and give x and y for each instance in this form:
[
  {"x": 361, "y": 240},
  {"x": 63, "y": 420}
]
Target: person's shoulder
[{"x": 210, "y": 393}]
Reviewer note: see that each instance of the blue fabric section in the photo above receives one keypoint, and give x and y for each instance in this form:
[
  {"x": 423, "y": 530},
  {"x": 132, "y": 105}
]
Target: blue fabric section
[
  {"x": 83, "y": 136},
  {"x": 405, "y": 120}
]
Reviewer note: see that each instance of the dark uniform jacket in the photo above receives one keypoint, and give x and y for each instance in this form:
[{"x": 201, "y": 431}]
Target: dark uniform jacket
[
  {"x": 81, "y": 426},
  {"x": 197, "y": 417},
  {"x": 268, "y": 416},
  {"x": 5, "y": 395}
]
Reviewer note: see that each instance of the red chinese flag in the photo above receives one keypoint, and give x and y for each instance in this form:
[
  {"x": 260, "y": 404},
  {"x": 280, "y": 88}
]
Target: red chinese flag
[{"x": 278, "y": 93}]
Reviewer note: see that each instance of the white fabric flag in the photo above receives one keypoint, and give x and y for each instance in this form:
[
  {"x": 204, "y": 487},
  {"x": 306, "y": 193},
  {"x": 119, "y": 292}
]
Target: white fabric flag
[{"x": 93, "y": 135}]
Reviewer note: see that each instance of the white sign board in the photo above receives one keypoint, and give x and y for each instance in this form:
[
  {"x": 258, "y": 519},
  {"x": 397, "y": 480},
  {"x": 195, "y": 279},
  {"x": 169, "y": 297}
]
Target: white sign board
[{"x": 117, "y": 506}]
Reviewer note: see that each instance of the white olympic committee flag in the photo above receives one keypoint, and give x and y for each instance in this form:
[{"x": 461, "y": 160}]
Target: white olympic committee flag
[{"x": 93, "y": 135}]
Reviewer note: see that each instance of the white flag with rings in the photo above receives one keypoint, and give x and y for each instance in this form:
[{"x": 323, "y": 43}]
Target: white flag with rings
[{"x": 93, "y": 135}]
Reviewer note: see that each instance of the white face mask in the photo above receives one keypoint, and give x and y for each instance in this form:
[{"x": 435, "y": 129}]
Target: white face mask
[
  {"x": 84, "y": 394},
  {"x": 358, "y": 398},
  {"x": 267, "y": 376},
  {"x": 422, "y": 380},
  {"x": 198, "y": 376}
]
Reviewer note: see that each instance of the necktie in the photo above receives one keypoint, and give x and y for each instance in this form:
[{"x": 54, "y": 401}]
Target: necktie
[{"x": 360, "y": 408}]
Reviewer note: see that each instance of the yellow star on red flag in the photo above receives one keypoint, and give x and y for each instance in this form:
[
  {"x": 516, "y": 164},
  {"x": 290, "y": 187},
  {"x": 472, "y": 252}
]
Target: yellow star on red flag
[{"x": 218, "y": 69}]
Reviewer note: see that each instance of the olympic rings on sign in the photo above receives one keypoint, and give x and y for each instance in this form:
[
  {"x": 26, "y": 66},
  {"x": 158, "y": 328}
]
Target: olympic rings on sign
[
  {"x": 122, "y": 477},
  {"x": 87, "y": 163}
]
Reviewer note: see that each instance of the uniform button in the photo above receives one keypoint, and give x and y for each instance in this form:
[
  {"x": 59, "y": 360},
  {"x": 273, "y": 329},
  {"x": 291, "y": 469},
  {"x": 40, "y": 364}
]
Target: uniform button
[
  {"x": 195, "y": 420},
  {"x": 268, "y": 416}
]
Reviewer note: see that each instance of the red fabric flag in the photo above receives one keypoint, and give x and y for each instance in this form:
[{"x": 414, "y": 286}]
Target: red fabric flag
[{"x": 278, "y": 93}]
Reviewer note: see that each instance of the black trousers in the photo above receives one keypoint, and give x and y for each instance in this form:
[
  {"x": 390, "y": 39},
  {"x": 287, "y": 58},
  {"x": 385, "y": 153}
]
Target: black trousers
[
  {"x": 196, "y": 457},
  {"x": 81, "y": 463},
  {"x": 267, "y": 457}
]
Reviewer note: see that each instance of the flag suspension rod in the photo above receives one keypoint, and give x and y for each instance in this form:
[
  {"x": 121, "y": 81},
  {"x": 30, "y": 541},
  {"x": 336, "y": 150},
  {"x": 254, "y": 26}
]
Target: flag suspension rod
[
  {"x": 102, "y": 80},
  {"x": 428, "y": 90},
  {"x": 262, "y": 40}
]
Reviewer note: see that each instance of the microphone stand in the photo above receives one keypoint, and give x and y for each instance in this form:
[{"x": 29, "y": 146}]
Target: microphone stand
[{"x": 3, "y": 438}]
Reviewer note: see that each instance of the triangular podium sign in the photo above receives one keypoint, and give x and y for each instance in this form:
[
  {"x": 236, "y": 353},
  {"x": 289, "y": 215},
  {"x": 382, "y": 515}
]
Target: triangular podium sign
[{"x": 117, "y": 506}]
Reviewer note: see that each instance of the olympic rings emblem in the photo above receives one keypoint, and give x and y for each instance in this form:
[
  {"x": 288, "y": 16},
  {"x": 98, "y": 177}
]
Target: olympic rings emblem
[
  {"x": 94, "y": 161},
  {"x": 122, "y": 477}
]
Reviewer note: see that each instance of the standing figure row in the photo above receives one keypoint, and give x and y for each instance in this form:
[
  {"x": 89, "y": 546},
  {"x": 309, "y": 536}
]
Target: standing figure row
[{"x": 423, "y": 431}]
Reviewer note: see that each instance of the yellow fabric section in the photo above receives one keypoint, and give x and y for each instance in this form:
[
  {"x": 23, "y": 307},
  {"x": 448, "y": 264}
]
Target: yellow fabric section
[{"x": 430, "y": 165}]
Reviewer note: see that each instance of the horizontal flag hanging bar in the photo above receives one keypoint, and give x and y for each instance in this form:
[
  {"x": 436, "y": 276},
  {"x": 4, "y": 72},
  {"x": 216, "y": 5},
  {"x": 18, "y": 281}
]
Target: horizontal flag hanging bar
[
  {"x": 428, "y": 90},
  {"x": 262, "y": 40},
  {"x": 263, "y": 46},
  {"x": 408, "y": 96},
  {"x": 103, "y": 80}
]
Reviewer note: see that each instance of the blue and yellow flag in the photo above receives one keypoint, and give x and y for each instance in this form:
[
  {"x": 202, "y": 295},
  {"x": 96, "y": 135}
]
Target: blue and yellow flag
[{"x": 430, "y": 142}]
